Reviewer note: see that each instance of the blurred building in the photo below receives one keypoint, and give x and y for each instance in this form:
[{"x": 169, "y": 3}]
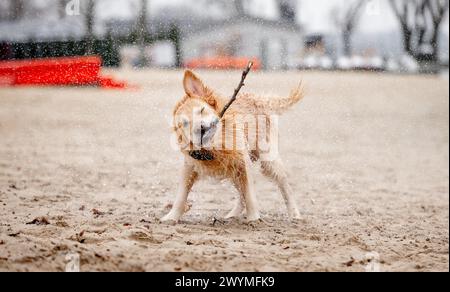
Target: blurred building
[
  {"x": 277, "y": 44},
  {"x": 41, "y": 28},
  {"x": 315, "y": 44}
]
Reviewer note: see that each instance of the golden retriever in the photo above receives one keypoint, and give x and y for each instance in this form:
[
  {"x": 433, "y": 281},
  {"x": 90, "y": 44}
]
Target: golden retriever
[{"x": 226, "y": 148}]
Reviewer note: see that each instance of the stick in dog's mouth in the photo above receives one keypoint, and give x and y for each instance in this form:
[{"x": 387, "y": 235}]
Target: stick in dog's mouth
[
  {"x": 237, "y": 90},
  {"x": 205, "y": 155}
]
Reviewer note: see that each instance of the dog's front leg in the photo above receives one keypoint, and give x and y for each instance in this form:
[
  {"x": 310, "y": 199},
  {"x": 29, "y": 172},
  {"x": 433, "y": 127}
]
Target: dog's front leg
[
  {"x": 238, "y": 209},
  {"x": 244, "y": 183},
  {"x": 188, "y": 179}
]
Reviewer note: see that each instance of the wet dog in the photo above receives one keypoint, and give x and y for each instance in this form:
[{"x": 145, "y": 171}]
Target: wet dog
[{"x": 226, "y": 148}]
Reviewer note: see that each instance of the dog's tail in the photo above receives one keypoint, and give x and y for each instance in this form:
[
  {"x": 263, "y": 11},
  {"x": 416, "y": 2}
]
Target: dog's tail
[{"x": 281, "y": 105}]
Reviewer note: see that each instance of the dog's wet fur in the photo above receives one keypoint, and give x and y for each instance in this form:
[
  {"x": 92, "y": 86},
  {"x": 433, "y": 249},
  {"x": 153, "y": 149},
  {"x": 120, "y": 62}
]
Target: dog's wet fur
[{"x": 222, "y": 162}]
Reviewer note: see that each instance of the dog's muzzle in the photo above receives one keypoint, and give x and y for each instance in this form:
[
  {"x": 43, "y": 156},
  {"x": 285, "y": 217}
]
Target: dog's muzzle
[{"x": 207, "y": 132}]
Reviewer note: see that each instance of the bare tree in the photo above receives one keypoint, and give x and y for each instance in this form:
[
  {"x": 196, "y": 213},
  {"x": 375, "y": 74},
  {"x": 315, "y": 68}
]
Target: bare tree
[
  {"x": 17, "y": 9},
  {"x": 420, "y": 22},
  {"x": 4, "y": 10},
  {"x": 239, "y": 7},
  {"x": 287, "y": 10},
  {"x": 89, "y": 23},
  {"x": 346, "y": 20},
  {"x": 142, "y": 32}
]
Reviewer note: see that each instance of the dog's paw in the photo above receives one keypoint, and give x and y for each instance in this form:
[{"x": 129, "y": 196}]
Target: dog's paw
[
  {"x": 295, "y": 216},
  {"x": 169, "y": 222},
  {"x": 170, "y": 219},
  {"x": 254, "y": 218},
  {"x": 257, "y": 224},
  {"x": 233, "y": 215}
]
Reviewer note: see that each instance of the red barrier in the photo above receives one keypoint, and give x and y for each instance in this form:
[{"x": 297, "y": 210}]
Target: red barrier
[{"x": 73, "y": 71}]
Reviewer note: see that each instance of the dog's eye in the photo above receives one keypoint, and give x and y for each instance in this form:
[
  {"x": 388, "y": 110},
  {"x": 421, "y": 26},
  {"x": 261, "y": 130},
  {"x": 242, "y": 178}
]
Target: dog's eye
[
  {"x": 202, "y": 110},
  {"x": 183, "y": 123}
]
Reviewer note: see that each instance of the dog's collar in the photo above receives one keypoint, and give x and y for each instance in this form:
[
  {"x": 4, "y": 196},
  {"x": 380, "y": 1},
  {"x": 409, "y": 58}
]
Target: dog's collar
[{"x": 202, "y": 155}]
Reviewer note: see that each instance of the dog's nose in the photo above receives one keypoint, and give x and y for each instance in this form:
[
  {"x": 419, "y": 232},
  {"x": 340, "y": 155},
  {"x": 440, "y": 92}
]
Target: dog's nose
[{"x": 204, "y": 129}]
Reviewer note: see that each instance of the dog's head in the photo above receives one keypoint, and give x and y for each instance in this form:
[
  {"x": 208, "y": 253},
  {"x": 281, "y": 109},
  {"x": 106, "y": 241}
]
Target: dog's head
[{"x": 196, "y": 116}]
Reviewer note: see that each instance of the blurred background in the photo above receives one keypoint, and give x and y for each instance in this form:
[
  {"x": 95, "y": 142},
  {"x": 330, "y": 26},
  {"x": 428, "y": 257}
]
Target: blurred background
[{"x": 400, "y": 36}]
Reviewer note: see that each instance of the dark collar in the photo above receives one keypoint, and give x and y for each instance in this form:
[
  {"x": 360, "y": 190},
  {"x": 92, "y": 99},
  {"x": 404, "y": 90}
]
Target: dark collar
[{"x": 202, "y": 155}]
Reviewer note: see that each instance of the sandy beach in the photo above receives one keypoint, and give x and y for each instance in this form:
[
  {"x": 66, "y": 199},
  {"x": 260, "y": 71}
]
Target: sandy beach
[{"x": 89, "y": 172}]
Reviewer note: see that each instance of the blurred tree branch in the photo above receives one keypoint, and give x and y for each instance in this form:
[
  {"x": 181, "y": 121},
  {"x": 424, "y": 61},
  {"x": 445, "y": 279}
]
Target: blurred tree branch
[
  {"x": 17, "y": 9},
  {"x": 420, "y": 22},
  {"x": 347, "y": 20},
  {"x": 89, "y": 22},
  {"x": 142, "y": 32},
  {"x": 287, "y": 10},
  {"x": 239, "y": 6}
]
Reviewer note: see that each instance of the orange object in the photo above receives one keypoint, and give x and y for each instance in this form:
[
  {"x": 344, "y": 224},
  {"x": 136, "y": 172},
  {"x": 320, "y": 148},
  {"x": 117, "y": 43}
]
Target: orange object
[
  {"x": 223, "y": 63},
  {"x": 72, "y": 71}
]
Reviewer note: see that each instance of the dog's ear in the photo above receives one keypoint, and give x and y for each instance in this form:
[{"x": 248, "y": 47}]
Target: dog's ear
[{"x": 193, "y": 86}]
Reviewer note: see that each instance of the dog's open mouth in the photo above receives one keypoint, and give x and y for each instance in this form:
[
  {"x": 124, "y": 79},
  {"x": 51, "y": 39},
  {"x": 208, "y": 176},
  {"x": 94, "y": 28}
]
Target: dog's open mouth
[
  {"x": 202, "y": 155},
  {"x": 206, "y": 138}
]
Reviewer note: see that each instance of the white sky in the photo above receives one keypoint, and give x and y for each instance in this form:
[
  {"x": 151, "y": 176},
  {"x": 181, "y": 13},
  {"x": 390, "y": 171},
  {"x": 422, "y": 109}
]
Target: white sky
[{"x": 315, "y": 15}]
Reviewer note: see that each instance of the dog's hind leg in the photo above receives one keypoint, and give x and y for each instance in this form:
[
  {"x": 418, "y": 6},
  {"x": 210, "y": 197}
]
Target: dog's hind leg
[
  {"x": 244, "y": 183},
  {"x": 189, "y": 177},
  {"x": 275, "y": 171}
]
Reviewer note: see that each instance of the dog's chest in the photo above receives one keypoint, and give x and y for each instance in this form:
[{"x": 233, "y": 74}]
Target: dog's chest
[
  {"x": 211, "y": 169},
  {"x": 221, "y": 167}
]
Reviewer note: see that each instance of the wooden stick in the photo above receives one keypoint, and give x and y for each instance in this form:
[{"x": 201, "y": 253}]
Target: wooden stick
[{"x": 236, "y": 91}]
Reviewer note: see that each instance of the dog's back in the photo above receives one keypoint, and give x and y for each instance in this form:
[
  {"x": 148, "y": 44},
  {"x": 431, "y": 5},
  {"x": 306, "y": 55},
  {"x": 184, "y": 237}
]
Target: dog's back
[
  {"x": 251, "y": 123},
  {"x": 257, "y": 105}
]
